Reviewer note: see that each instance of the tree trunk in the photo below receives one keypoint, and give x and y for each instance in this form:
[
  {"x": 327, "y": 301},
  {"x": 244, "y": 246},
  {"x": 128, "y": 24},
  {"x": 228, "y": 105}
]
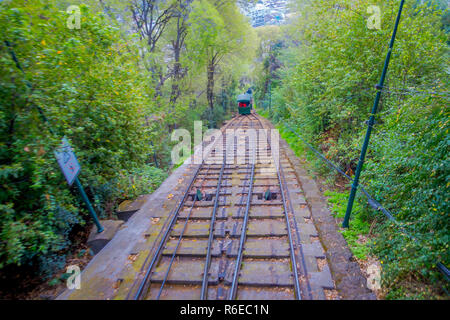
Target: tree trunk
[
  {"x": 175, "y": 92},
  {"x": 177, "y": 46},
  {"x": 210, "y": 86}
]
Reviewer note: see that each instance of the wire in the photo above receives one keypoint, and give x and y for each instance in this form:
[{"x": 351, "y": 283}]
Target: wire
[{"x": 413, "y": 91}]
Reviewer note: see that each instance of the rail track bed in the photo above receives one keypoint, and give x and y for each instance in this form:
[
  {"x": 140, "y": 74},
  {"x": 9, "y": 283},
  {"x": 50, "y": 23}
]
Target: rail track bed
[{"x": 242, "y": 229}]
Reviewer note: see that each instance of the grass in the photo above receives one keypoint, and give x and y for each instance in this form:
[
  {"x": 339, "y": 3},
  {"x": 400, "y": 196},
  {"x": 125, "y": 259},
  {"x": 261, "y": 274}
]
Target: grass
[
  {"x": 359, "y": 226},
  {"x": 182, "y": 159}
]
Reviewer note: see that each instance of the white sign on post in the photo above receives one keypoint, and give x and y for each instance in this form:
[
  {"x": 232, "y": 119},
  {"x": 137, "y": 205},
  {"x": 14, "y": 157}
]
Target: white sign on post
[{"x": 67, "y": 161}]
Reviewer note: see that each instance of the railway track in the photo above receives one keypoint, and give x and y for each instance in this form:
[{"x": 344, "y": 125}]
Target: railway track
[{"x": 234, "y": 234}]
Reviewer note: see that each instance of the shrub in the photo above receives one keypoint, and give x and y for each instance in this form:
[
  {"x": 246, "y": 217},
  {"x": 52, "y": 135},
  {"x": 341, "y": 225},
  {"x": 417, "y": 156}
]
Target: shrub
[
  {"x": 93, "y": 92},
  {"x": 326, "y": 91}
]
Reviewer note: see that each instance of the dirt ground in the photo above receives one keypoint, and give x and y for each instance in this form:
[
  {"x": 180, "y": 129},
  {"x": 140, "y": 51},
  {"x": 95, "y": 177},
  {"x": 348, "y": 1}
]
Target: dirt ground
[{"x": 22, "y": 283}]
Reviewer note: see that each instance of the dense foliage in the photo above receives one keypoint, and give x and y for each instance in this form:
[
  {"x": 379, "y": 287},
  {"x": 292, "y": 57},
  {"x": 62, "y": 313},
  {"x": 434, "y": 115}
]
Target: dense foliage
[
  {"x": 135, "y": 70},
  {"x": 114, "y": 91},
  {"x": 322, "y": 74},
  {"x": 91, "y": 95}
]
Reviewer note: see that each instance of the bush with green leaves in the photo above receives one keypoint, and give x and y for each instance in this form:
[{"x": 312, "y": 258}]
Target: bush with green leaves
[
  {"x": 331, "y": 63},
  {"x": 92, "y": 90}
]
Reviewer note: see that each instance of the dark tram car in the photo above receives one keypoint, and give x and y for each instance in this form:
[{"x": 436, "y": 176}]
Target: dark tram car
[{"x": 244, "y": 103}]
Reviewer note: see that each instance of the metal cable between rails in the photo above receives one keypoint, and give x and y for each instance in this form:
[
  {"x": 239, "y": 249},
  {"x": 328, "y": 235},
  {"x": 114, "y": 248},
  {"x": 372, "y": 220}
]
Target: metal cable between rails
[
  {"x": 163, "y": 240},
  {"x": 237, "y": 265},
  {"x": 180, "y": 239},
  {"x": 205, "y": 277},
  {"x": 204, "y": 290}
]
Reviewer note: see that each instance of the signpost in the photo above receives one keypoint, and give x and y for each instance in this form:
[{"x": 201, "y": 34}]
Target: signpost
[
  {"x": 67, "y": 161},
  {"x": 64, "y": 155},
  {"x": 71, "y": 168}
]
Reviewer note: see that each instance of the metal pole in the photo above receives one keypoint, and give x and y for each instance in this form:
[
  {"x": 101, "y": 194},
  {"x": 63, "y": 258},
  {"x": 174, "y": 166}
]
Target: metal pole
[
  {"x": 379, "y": 87},
  {"x": 88, "y": 205}
]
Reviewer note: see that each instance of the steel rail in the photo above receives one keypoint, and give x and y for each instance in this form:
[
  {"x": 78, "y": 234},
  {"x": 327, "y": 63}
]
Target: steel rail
[
  {"x": 299, "y": 240},
  {"x": 286, "y": 214},
  {"x": 204, "y": 292},
  {"x": 164, "y": 238},
  {"x": 241, "y": 200},
  {"x": 211, "y": 236},
  {"x": 185, "y": 225},
  {"x": 163, "y": 241},
  {"x": 179, "y": 240},
  {"x": 237, "y": 266},
  {"x": 371, "y": 201}
]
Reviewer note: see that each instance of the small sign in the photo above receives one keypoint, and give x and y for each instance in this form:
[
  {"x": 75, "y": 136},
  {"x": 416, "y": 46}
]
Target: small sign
[{"x": 67, "y": 161}]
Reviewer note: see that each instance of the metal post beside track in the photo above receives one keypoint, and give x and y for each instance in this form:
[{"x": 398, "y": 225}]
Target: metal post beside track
[{"x": 371, "y": 122}]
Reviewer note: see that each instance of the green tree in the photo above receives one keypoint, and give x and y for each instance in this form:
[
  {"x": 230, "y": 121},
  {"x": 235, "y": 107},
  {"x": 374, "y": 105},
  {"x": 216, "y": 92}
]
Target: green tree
[
  {"x": 216, "y": 30},
  {"x": 331, "y": 62},
  {"x": 91, "y": 89}
]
